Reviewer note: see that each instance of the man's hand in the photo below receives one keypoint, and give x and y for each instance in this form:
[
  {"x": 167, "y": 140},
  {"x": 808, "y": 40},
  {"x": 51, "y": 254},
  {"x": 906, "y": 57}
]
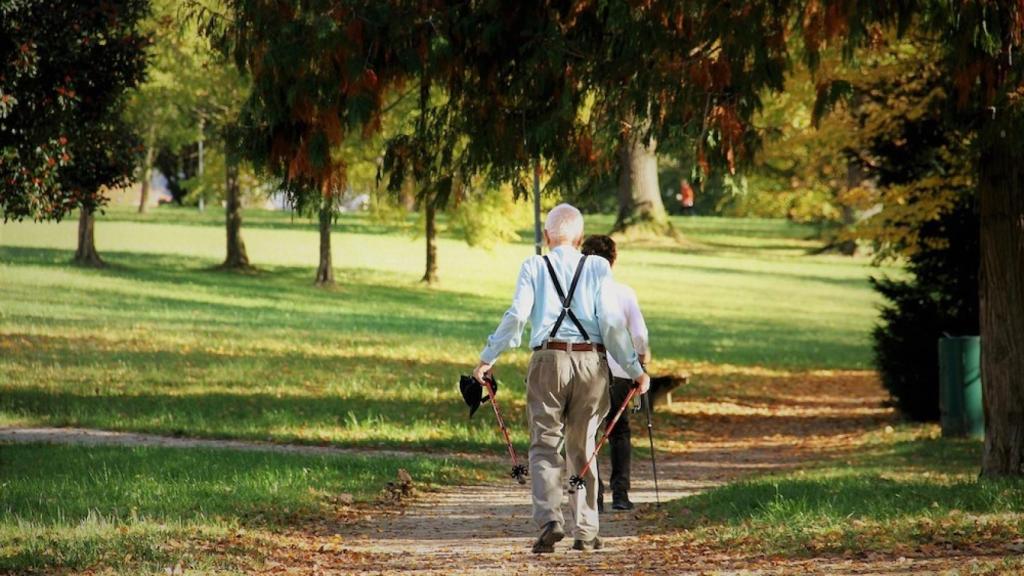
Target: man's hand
[
  {"x": 643, "y": 382},
  {"x": 483, "y": 371}
]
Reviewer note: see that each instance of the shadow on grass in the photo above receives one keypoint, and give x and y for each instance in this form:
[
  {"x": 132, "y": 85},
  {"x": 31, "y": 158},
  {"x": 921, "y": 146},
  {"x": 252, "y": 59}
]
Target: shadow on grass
[
  {"x": 902, "y": 480},
  {"x": 929, "y": 455},
  {"x": 330, "y": 403},
  {"x": 702, "y": 235},
  {"x": 756, "y": 426},
  {"x": 345, "y": 223},
  {"x": 180, "y": 292},
  {"x": 73, "y": 507},
  {"x": 364, "y": 224},
  {"x": 753, "y": 275},
  {"x": 322, "y": 421},
  {"x": 832, "y": 499},
  {"x": 754, "y": 342},
  {"x": 763, "y": 228},
  {"x": 276, "y": 297},
  {"x": 113, "y": 482}
]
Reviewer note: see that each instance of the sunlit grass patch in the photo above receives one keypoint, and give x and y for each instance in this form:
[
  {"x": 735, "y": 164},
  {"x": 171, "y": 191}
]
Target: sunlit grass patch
[
  {"x": 74, "y": 506},
  {"x": 159, "y": 342},
  {"x": 907, "y": 495},
  {"x": 141, "y": 547}
]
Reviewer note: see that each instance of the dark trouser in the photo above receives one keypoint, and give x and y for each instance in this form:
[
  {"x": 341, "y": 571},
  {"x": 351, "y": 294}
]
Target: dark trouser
[{"x": 619, "y": 439}]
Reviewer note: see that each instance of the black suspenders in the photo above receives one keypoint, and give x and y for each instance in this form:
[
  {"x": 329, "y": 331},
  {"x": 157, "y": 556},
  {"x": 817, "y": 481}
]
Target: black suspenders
[{"x": 567, "y": 298}]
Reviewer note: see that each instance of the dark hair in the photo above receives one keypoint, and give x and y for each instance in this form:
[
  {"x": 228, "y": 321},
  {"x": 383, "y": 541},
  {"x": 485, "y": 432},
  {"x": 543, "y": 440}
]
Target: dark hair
[{"x": 600, "y": 245}]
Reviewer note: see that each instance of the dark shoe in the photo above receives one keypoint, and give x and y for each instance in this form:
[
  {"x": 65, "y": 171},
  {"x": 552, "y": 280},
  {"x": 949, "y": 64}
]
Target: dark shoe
[
  {"x": 621, "y": 502},
  {"x": 551, "y": 534},
  {"x": 585, "y": 545}
]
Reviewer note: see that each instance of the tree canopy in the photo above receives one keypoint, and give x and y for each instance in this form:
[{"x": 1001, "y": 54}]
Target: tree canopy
[
  {"x": 64, "y": 70},
  {"x": 563, "y": 82}
]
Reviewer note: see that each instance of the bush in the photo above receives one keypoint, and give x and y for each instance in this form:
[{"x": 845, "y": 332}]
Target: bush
[{"x": 940, "y": 299}]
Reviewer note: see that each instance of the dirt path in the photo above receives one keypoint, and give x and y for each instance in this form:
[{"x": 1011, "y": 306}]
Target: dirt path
[
  {"x": 480, "y": 530},
  {"x": 93, "y": 437}
]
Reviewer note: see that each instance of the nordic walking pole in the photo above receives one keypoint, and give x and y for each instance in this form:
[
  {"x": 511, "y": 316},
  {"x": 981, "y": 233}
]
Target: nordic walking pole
[
  {"x": 519, "y": 471},
  {"x": 650, "y": 435},
  {"x": 577, "y": 481}
]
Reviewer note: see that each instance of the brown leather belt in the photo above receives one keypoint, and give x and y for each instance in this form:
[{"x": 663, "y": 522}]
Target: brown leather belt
[{"x": 573, "y": 346}]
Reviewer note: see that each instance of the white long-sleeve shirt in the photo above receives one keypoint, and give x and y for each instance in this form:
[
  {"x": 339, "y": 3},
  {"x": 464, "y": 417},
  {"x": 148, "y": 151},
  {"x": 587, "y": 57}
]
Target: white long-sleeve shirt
[
  {"x": 595, "y": 304},
  {"x": 634, "y": 323}
]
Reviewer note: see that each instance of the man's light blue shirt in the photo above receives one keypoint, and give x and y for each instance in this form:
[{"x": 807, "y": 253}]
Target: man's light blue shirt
[{"x": 537, "y": 302}]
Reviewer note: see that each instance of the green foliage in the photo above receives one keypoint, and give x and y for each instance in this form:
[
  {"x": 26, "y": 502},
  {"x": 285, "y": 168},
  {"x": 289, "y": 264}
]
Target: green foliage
[
  {"x": 320, "y": 70},
  {"x": 565, "y": 94},
  {"x": 191, "y": 94},
  {"x": 871, "y": 151},
  {"x": 63, "y": 74},
  {"x": 490, "y": 218},
  {"x": 802, "y": 168},
  {"x": 920, "y": 163},
  {"x": 560, "y": 96},
  {"x": 163, "y": 108},
  {"x": 920, "y": 156},
  {"x": 940, "y": 299},
  {"x": 210, "y": 186}
]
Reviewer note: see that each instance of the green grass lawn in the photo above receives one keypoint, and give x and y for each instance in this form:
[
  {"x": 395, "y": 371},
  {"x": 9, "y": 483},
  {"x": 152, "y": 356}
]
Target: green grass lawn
[
  {"x": 161, "y": 343},
  {"x": 912, "y": 493},
  {"x": 72, "y": 507}
]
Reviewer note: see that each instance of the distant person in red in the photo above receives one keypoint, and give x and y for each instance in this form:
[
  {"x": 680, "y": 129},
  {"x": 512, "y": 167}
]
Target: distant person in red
[{"x": 685, "y": 197}]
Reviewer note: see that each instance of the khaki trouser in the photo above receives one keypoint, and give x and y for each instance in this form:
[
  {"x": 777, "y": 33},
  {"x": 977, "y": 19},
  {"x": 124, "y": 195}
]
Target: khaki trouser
[{"x": 565, "y": 391}]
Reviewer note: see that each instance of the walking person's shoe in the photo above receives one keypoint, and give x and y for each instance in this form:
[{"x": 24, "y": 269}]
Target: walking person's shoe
[
  {"x": 551, "y": 534},
  {"x": 585, "y": 545},
  {"x": 620, "y": 501}
]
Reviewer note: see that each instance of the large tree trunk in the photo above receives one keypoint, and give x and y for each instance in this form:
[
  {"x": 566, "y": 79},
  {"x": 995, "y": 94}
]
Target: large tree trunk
[
  {"x": 1001, "y": 194},
  {"x": 430, "y": 215},
  {"x": 325, "y": 272},
  {"x": 147, "y": 169},
  {"x": 86, "y": 254},
  {"x": 237, "y": 258},
  {"x": 640, "y": 204}
]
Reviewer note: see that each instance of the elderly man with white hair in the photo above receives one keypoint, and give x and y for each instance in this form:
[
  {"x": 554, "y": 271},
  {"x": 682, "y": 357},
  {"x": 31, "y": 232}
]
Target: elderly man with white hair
[{"x": 575, "y": 320}]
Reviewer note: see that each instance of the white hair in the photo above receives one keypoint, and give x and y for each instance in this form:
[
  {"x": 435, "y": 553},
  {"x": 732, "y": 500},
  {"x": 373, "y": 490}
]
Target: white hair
[{"x": 564, "y": 223}]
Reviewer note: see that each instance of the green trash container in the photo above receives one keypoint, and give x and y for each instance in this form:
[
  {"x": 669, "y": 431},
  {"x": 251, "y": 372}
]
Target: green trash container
[{"x": 960, "y": 387}]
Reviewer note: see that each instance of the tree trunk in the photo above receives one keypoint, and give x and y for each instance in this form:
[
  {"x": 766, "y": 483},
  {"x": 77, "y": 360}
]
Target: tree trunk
[
  {"x": 237, "y": 258},
  {"x": 407, "y": 196},
  {"x": 147, "y": 169},
  {"x": 430, "y": 214},
  {"x": 854, "y": 178},
  {"x": 640, "y": 204},
  {"x": 325, "y": 272},
  {"x": 86, "y": 254},
  {"x": 429, "y": 209},
  {"x": 1001, "y": 195}
]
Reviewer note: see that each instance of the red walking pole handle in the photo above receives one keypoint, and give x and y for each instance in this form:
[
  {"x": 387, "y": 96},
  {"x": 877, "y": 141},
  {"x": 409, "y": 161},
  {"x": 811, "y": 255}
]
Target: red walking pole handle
[
  {"x": 501, "y": 422},
  {"x": 518, "y": 470},
  {"x": 577, "y": 480}
]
